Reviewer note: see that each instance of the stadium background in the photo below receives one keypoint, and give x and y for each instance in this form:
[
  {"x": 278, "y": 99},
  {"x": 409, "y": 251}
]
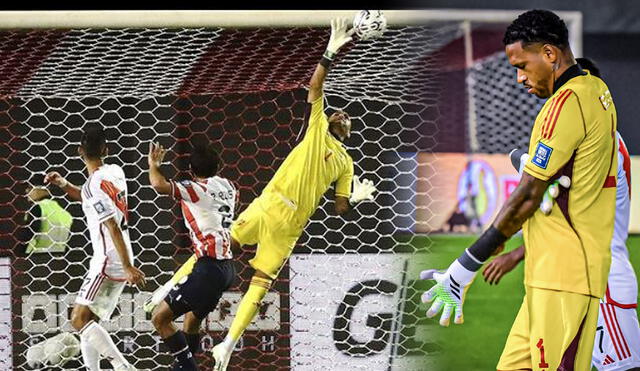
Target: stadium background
[{"x": 483, "y": 176}]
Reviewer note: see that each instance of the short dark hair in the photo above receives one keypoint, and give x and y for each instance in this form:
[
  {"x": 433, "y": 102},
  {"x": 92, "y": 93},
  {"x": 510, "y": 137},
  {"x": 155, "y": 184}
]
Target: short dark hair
[
  {"x": 204, "y": 159},
  {"x": 93, "y": 141},
  {"x": 538, "y": 26},
  {"x": 590, "y": 65}
]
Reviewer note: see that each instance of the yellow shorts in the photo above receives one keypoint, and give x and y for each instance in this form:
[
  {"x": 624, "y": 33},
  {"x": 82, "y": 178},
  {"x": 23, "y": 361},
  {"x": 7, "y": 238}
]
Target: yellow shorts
[
  {"x": 270, "y": 222},
  {"x": 553, "y": 330}
]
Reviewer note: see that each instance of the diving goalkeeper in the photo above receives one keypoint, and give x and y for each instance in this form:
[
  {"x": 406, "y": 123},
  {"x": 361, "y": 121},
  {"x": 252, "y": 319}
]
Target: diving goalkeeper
[{"x": 275, "y": 220}]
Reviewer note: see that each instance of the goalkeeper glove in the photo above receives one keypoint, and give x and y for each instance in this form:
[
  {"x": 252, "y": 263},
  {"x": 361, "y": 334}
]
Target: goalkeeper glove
[
  {"x": 339, "y": 37},
  {"x": 362, "y": 190},
  {"x": 448, "y": 292}
]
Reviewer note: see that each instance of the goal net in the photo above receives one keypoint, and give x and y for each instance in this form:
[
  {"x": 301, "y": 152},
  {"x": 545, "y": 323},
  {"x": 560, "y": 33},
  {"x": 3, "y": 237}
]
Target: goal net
[{"x": 348, "y": 298}]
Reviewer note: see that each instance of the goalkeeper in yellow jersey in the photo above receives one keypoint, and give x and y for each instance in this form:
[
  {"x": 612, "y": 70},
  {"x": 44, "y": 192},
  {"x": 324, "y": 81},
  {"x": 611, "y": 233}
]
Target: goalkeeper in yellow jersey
[{"x": 275, "y": 220}]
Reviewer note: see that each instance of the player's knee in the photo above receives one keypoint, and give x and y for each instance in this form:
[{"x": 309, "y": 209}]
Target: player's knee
[
  {"x": 161, "y": 318},
  {"x": 261, "y": 275},
  {"x": 80, "y": 317},
  {"x": 191, "y": 323}
]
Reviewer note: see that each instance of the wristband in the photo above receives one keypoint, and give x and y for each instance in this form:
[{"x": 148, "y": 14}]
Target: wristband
[
  {"x": 481, "y": 250},
  {"x": 63, "y": 183},
  {"x": 325, "y": 62}
]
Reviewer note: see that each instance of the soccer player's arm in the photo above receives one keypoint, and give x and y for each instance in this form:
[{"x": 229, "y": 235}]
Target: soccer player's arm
[
  {"x": 71, "y": 190},
  {"x": 104, "y": 207},
  {"x": 156, "y": 179},
  {"x": 560, "y": 136},
  {"x": 343, "y": 190}
]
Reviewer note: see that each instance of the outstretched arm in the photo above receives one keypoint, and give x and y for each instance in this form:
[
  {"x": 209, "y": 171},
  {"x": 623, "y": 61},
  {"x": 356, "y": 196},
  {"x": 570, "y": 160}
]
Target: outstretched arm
[
  {"x": 71, "y": 190},
  {"x": 157, "y": 180},
  {"x": 339, "y": 37}
]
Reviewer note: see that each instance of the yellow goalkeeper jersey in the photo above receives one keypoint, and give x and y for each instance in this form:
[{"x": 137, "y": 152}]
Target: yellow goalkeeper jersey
[
  {"x": 574, "y": 135},
  {"x": 317, "y": 162}
]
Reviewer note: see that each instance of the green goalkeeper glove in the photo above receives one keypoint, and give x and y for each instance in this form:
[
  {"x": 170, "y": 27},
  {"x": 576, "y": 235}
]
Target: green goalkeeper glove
[{"x": 448, "y": 292}]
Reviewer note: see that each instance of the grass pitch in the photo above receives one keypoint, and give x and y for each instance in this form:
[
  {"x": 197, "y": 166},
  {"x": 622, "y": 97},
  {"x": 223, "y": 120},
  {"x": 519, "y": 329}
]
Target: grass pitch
[{"x": 489, "y": 311}]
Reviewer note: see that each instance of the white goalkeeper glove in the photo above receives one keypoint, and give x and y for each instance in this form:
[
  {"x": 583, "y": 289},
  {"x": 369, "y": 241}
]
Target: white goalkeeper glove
[
  {"x": 339, "y": 36},
  {"x": 362, "y": 190},
  {"x": 448, "y": 292}
]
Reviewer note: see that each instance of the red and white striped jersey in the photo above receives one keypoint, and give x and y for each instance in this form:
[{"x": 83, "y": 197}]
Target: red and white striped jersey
[
  {"x": 208, "y": 208},
  {"x": 104, "y": 196},
  {"x": 622, "y": 285}
]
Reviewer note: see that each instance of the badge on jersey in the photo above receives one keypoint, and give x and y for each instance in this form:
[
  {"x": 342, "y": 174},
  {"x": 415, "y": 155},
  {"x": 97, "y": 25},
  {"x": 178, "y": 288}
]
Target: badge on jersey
[
  {"x": 99, "y": 207},
  {"x": 542, "y": 155}
]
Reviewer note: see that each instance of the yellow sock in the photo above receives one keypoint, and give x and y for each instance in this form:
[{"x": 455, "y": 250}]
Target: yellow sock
[
  {"x": 249, "y": 306},
  {"x": 184, "y": 270}
]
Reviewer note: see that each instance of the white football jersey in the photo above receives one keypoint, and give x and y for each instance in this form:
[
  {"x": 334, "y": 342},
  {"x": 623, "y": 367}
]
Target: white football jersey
[
  {"x": 622, "y": 289},
  {"x": 208, "y": 209},
  {"x": 104, "y": 196}
]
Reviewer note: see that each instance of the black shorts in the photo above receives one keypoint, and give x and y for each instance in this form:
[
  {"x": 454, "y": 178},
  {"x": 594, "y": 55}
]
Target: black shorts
[{"x": 203, "y": 288}]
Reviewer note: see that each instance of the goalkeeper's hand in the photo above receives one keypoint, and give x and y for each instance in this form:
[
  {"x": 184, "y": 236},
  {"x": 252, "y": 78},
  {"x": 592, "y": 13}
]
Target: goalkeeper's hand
[
  {"x": 339, "y": 36},
  {"x": 448, "y": 292},
  {"x": 362, "y": 190}
]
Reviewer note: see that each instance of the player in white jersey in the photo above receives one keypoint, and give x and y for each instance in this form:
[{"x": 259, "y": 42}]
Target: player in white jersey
[
  {"x": 207, "y": 203},
  {"x": 104, "y": 202}
]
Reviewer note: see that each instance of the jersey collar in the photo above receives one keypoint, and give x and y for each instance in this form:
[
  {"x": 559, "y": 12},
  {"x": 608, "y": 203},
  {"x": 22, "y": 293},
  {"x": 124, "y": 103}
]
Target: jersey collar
[{"x": 571, "y": 72}]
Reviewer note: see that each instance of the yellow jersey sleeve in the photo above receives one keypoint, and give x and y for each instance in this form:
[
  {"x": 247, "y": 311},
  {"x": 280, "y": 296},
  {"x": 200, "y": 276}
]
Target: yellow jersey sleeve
[
  {"x": 555, "y": 139},
  {"x": 318, "y": 122},
  {"x": 343, "y": 184}
]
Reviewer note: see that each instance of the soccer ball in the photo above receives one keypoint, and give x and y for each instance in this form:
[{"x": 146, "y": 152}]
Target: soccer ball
[{"x": 369, "y": 24}]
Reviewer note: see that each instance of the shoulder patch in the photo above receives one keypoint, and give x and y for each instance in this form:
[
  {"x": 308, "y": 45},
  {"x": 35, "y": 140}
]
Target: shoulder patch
[
  {"x": 542, "y": 155},
  {"x": 99, "y": 207}
]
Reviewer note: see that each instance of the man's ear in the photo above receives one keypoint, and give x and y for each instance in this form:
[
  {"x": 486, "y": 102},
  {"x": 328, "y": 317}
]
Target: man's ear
[
  {"x": 105, "y": 151},
  {"x": 550, "y": 53}
]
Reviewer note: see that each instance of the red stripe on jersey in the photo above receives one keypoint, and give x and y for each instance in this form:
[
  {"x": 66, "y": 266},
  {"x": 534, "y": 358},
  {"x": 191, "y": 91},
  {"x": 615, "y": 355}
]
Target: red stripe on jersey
[
  {"x": 612, "y": 335},
  {"x": 554, "y": 104},
  {"x": 619, "y": 305},
  {"x": 114, "y": 194},
  {"x": 546, "y": 117},
  {"x": 609, "y": 360},
  {"x": 205, "y": 241},
  {"x": 626, "y": 164},
  {"x": 192, "y": 193},
  {"x": 557, "y": 113},
  {"x": 624, "y": 340}
]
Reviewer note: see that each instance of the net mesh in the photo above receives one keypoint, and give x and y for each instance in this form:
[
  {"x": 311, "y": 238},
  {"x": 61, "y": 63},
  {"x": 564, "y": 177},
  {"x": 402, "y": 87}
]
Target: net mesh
[{"x": 244, "y": 90}]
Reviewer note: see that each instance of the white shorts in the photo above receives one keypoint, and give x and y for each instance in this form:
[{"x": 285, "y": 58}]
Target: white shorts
[
  {"x": 617, "y": 343},
  {"x": 100, "y": 293}
]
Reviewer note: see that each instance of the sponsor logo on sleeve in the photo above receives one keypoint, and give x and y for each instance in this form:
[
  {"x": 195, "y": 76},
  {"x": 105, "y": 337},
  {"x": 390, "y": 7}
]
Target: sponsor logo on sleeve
[{"x": 542, "y": 155}]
